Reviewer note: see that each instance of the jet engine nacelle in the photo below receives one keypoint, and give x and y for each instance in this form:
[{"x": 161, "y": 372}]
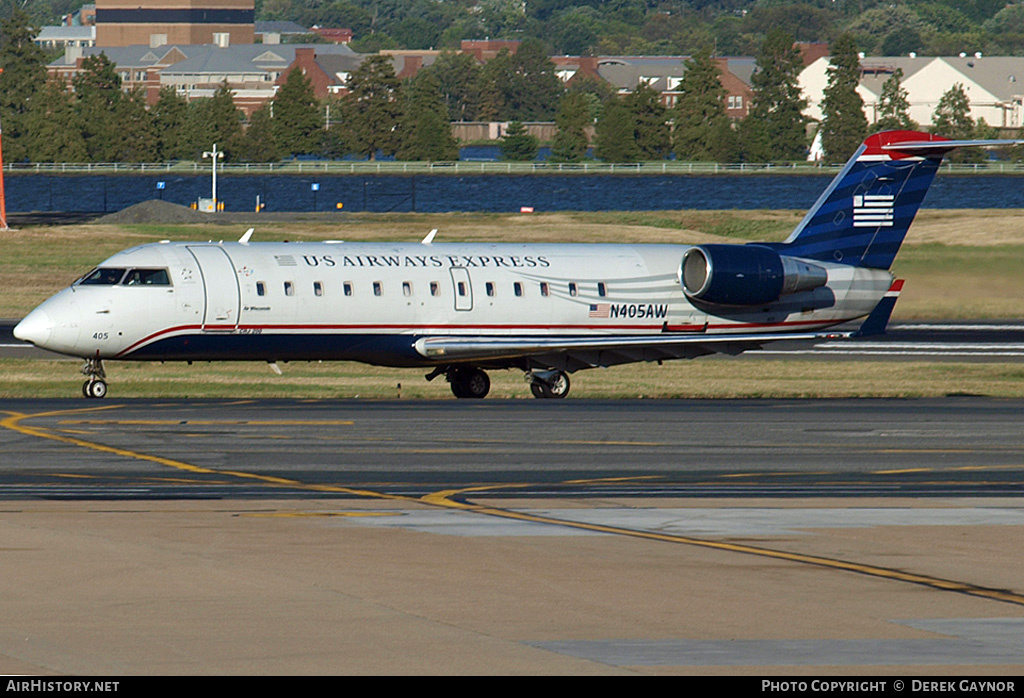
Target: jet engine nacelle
[{"x": 745, "y": 274}]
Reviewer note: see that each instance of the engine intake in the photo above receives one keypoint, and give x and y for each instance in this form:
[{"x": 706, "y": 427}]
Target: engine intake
[{"x": 745, "y": 274}]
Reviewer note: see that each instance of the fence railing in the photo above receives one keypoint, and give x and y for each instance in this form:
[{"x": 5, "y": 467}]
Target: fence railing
[{"x": 469, "y": 167}]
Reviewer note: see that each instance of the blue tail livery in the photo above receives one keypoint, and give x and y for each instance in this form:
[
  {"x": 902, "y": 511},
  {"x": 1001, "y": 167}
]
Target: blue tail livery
[{"x": 864, "y": 214}]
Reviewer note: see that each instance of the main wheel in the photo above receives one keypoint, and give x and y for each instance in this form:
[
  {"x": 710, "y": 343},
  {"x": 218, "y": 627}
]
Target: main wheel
[
  {"x": 557, "y": 387},
  {"x": 470, "y": 383}
]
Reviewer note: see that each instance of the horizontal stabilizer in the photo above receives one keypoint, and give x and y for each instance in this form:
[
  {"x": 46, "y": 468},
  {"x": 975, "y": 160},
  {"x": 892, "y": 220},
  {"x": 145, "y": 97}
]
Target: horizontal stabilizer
[{"x": 940, "y": 147}]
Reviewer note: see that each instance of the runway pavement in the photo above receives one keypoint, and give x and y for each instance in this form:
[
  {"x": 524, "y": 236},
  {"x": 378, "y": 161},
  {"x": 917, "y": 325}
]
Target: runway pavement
[{"x": 876, "y": 537}]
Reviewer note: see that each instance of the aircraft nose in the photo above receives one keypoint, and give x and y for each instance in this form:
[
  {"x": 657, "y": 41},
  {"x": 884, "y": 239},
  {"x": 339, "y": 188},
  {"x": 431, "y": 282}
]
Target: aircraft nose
[{"x": 35, "y": 328}]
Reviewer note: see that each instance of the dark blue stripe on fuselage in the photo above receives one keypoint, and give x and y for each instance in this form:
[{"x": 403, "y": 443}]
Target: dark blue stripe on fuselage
[{"x": 382, "y": 350}]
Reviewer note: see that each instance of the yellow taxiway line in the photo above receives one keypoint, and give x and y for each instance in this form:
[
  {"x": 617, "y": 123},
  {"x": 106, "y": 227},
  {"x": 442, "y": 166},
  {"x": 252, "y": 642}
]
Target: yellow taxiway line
[{"x": 447, "y": 499}]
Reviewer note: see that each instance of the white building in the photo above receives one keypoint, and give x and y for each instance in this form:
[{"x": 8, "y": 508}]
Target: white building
[
  {"x": 994, "y": 85},
  {"x": 64, "y": 36}
]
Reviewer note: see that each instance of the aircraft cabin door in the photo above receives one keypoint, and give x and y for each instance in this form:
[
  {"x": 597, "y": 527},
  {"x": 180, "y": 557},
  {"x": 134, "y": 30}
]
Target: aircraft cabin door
[
  {"x": 463, "y": 288},
  {"x": 220, "y": 283}
]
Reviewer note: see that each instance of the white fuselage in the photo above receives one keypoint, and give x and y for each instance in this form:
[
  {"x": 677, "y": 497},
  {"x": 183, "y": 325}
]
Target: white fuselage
[{"x": 372, "y": 301}]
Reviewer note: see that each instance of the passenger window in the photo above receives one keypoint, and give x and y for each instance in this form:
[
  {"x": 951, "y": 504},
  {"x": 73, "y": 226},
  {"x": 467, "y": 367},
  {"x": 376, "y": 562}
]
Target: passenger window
[
  {"x": 261, "y": 288},
  {"x": 435, "y": 288},
  {"x": 601, "y": 290},
  {"x": 462, "y": 288},
  {"x": 378, "y": 288},
  {"x": 406, "y": 288},
  {"x": 289, "y": 288},
  {"x": 102, "y": 277},
  {"x": 147, "y": 277},
  {"x": 544, "y": 288},
  {"x": 573, "y": 291},
  {"x": 347, "y": 288},
  {"x": 517, "y": 288},
  {"x": 490, "y": 288},
  {"x": 318, "y": 288}
]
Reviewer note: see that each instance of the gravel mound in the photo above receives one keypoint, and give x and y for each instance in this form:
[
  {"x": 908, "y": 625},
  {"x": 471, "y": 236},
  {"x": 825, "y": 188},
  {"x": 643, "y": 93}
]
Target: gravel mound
[{"x": 155, "y": 211}]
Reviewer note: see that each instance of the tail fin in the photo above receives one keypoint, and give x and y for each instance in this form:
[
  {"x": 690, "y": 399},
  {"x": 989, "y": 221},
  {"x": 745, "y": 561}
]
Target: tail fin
[{"x": 864, "y": 214}]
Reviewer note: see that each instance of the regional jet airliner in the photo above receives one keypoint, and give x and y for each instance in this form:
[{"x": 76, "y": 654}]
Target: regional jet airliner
[{"x": 461, "y": 309}]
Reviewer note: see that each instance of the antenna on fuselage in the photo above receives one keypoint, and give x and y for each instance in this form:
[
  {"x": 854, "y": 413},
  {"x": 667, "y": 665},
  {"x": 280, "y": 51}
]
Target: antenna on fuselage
[
  {"x": 245, "y": 238},
  {"x": 430, "y": 237}
]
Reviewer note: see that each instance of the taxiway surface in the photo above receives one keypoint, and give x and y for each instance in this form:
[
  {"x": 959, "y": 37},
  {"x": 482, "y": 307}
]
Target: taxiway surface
[{"x": 758, "y": 537}]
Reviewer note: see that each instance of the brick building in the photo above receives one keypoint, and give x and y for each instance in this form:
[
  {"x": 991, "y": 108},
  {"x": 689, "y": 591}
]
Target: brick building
[{"x": 159, "y": 22}]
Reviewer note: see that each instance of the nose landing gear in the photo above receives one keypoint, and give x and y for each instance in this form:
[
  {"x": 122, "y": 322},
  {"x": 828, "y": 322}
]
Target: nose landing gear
[{"x": 96, "y": 386}]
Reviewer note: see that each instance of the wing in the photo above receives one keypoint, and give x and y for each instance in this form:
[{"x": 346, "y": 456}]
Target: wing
[{"x": 575, "y": 353}]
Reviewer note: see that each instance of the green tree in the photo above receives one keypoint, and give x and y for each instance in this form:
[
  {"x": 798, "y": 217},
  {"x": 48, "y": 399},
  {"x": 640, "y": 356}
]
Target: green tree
[
  {"x": 893, "y": 106},
  {"x": 171, "y": 118},
  {"x": 458, "y": 76},
  {"x": 336, "y": 138},
  {"x": 495, "y": 79},
  {"x": 375, "y": 107},
  {"x": 259, "y": 142},
  {"x": 97, "y": 96},
  {"x": 843, "y": 125},
  {"x": 952, "y": 119},
  {"x": 775, "y": 127},
  {"x": 426, "y": 133},
  {"x": 650, "y": 119},
  {"x": 615, "y": 134},
  {"x": 24, "y": 74},
  {"x": 517, "y": 144},
  {"x": 217, "y": 120},
  {"x": 700, "y": 110},
  {"x": 297, "y": 118},
  {"x": 521, "y": 86},
  {"x": 54, "y": 133},
  {"x": 138, "y": 141},
  {"x": 573, "y": 118}
]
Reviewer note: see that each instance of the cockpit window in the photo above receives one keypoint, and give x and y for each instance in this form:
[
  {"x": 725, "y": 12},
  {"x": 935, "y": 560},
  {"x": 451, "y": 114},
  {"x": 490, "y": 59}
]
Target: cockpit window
[
  {"x": 102, "y": 276},
  {"x": 147, "y": 277}
]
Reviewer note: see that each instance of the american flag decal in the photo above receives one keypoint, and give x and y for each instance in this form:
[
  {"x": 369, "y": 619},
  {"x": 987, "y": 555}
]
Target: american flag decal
[
  {"x": 600, "y": 310},
  {"x": 872, "y": 210}
]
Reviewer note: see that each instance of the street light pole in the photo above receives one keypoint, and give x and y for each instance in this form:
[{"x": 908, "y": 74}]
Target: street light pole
[{"x": 214, "y": 155}]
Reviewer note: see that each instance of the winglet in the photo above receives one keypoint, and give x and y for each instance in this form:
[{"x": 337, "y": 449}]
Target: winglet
[
  {"x": 879, "y": 317},
  {"x": 245, "y": 238},
  {"x": 430, "y": 237}
]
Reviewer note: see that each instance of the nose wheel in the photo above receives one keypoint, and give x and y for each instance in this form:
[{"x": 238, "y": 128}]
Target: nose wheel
[{"x": 96, "y": 386}]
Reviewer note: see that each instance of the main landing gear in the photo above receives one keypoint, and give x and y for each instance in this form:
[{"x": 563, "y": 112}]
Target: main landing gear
[
  {"x": 469, "y": 382},
  {"x": 548, "y": 384},
  {"x": 96, "y": 386},
  {"x": 472, "y": 382}
]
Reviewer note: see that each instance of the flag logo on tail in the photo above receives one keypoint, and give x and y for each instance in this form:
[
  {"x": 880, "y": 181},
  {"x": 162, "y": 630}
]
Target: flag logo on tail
[{"x": 873, "y": 210}]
